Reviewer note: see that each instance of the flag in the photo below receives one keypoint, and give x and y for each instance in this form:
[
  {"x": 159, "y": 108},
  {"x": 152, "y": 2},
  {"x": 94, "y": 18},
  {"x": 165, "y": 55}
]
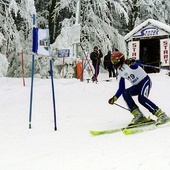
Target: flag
[
  {"x": 35, "y": 40},
  {"x": 43, "y": 42},
  {"x": 40, "y": 43}
]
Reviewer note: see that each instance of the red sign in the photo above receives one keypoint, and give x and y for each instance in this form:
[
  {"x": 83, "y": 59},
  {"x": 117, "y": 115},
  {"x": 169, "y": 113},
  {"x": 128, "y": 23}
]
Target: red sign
[
  {"x": 165, "y": 51},
  {"x": 134, "y": 50}
]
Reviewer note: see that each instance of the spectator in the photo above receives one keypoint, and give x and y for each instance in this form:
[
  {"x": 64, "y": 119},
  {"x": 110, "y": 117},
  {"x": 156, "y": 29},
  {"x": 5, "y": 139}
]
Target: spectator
[
  {"x": 108, "y": 65},
  {"x": 145, "y": 56},
  {"x": 96, "y": 56}
]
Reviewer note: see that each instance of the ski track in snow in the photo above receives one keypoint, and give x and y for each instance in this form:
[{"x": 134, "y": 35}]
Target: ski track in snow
[{"x": 81, "y": 107}]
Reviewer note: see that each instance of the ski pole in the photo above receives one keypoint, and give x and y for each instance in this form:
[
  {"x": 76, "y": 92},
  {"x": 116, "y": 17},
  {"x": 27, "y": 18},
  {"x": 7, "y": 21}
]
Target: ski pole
[{"x": 122, "y": 107}]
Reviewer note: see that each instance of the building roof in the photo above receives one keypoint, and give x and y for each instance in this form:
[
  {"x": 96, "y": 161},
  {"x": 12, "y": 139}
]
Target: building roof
[{"x": 152, "y": 22}]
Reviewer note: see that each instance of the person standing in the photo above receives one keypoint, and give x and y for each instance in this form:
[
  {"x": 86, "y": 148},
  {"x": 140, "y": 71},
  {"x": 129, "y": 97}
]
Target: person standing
[
  {"x": 96, "y": 56},
  {"x": 145, "y": 59},
  {"x": 141, "y": 86},
  {"x": 145, "y": 56},
  {"x": 108, "y": 65}
]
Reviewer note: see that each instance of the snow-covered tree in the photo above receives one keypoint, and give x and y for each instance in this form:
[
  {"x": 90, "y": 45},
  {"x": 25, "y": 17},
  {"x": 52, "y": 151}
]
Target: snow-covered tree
[
  {"x": 98, "y": 19},
  {"x": 16, "y": 27},
  {"x": 156, "y": 9},
  {"x": 103, "y": 23},
  {"x": 43, "y": 12}
]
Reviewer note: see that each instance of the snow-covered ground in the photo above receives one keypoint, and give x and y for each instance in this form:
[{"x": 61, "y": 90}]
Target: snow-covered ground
[{"x": 81, "y": 106}]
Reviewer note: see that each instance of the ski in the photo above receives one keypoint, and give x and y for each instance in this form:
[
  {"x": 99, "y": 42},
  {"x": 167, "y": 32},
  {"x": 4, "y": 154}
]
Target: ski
[
  {"x": 141, "y": 129},
  {"x": 107, "y": 131},
  {"x": 123, "y": 129},
  {"x": 138, "y": 129}
]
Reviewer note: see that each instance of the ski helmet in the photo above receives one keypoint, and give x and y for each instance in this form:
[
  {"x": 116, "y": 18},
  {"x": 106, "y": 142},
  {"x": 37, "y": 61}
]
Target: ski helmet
[{"x": 117, "y": 59}]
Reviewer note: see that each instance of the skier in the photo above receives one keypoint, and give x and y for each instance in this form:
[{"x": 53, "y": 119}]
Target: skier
[{"x": 141, "y": 86}]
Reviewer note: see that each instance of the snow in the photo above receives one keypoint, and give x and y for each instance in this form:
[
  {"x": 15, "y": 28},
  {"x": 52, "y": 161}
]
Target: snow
[{"x": 81, "y": 107}]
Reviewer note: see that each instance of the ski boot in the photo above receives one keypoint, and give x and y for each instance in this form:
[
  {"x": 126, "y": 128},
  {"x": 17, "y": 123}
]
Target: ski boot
[
  {"x": 139, "y": 118},
  {"x": 161, "y": 116},
  {"x": 94, "y": 79}
]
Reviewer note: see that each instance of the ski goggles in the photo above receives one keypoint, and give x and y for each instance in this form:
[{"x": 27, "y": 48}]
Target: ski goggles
[{"x": 115, "y": 60}]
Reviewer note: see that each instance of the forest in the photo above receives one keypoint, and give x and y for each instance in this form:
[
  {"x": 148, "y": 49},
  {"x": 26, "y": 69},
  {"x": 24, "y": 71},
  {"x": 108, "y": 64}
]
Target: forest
[{"x": 102, "y": 21}]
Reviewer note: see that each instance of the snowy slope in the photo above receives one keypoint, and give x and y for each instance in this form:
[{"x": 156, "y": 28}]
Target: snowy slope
[{"x": 81, "y": 106}]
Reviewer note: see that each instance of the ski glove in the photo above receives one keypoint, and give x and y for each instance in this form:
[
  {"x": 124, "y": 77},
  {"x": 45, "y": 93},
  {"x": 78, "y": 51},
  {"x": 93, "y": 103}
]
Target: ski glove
[{"x": 112, "y": 100}]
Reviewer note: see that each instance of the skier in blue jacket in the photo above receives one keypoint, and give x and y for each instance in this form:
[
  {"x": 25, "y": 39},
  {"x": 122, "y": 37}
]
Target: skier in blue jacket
[{"x": 141, "y": 85}]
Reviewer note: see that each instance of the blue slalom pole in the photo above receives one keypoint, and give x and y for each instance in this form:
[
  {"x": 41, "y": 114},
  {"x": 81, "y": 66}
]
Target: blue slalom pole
[
  {"x": 52, "y": 84},
  {"x": 31, "y": 93},
  {"x": 34, "y": 50},
  {"x": 53, "y": 94}
]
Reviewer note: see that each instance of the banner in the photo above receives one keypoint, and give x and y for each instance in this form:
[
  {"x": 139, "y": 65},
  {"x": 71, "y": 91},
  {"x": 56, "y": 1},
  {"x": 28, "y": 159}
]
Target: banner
[
  {"x": 64, "y": 53},
  {"x": 150, "y": 31},
  {"x": 35, "y": 40},
  {"x": 164, "y": 49},
  {"x": 43, "y": 41},
  {"x": 134, "y": 49}
]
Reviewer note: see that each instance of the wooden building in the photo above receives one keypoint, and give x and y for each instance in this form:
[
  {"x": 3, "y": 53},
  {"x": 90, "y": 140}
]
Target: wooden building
[{"x": 150, "y": 42}]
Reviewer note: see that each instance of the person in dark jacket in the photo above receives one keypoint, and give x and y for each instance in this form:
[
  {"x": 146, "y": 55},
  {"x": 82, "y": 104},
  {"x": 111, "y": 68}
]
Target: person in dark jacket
[
  {"x": 108, "y": 65},
  {"x": 145, "y": 56},
  {"x": 96, "y": 56}
]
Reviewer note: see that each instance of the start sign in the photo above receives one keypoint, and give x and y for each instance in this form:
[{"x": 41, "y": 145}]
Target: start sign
[
  {"x": 164, "y": 52},
  {"x": 134, "y": 50}
]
